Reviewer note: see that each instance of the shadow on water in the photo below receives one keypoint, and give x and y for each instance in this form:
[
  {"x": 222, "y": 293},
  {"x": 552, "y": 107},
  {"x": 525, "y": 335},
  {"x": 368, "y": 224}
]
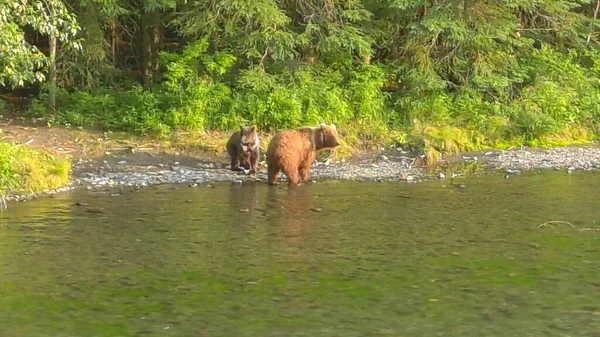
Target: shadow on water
[{"x": 329, "y": 259}]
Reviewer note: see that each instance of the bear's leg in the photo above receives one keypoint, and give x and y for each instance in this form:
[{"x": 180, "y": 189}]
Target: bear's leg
[
  {"x": 244, "y": 163},
  {"x": 305, "y": 174},
  {"x": 235, "y": 163},
  {"x": 273, "y": 174},
  {"x": 244, "y": 159},
  {"x": 253, "y": 162},
  {"x": 292, "y": 177},
  {"x": 304, "y": 168}
]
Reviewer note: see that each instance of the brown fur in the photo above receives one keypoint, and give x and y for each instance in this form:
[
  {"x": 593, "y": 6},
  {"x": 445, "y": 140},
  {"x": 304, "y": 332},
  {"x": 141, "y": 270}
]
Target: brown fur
[
  {"x": 293, "y": 151},
  {"x": 244, "y": 149}
]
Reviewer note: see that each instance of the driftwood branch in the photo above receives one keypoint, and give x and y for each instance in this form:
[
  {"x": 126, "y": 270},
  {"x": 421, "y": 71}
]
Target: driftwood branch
[{"x": 555, "y": 222}]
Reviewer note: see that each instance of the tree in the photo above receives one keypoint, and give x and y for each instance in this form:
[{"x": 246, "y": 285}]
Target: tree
[{"x": 20, "y": 61}]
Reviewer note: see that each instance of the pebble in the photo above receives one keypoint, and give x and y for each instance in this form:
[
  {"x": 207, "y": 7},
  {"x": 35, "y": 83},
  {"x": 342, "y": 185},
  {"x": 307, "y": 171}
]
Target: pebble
[
  {"x": 570, "y": 158},
  {"x": 513, "y": 161},
  {"x": 371, "y": 170}
]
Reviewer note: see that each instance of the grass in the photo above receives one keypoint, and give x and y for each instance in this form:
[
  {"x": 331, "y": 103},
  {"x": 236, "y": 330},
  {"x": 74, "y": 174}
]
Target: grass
[
  {"x": 431, "y": 139},
  {"x": 435, "y": 140},
  {"x": 353, "y": 138},
  {"x": 30, "y": 170}
]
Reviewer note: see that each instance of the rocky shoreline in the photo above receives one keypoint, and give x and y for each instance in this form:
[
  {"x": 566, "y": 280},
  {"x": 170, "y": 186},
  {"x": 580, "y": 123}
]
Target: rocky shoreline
[
  {"x": 571, "y": 158},
  {"x": 147, "y": 169},
  {"x": 390, "y": 165}
]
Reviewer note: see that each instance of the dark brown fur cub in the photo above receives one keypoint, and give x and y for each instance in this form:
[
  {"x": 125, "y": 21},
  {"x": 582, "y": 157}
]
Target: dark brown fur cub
[
  {"x": 293, "y": 151},
  {"x": 244, "y": 149}
]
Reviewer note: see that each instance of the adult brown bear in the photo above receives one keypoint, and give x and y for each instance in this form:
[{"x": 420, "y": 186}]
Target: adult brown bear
[{"x": 293, "y": 151}]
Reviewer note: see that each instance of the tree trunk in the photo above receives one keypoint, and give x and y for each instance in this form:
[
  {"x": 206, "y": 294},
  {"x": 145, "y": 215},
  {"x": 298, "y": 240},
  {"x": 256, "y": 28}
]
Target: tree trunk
[
  {"x": 150, "y": 45},
  {"x": 114, "y": 42},
  {"x": 595, "y": 17},
  {"x": 52, "y": 73},
  {"x": 310, "y": 54}
]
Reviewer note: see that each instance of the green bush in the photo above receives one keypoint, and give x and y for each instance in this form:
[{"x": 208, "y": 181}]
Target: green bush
[
  {"x": 196, "y": 95},
  {"x": 135, "y": 110},
  {"x": 557, "y": 96},
  {"x": 554, "y": 99},
  {"x": 30, "y": 170}
]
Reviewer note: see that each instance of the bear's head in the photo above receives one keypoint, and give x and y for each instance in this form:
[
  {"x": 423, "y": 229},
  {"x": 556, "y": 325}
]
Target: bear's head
[
  {"x": 327, "y": 137},
  {"x": 248, "y": 138}
]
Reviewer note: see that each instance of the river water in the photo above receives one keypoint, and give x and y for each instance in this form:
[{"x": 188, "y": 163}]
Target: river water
[{"x": 330, "y": 259}]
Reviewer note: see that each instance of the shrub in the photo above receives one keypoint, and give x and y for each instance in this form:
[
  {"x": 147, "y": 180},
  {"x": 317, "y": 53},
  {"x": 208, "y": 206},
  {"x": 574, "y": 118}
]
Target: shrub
[{"x": 30, "y": 170}]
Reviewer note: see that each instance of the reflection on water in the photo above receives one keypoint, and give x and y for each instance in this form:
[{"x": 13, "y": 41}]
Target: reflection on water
[{"x": 330, "y": 259}]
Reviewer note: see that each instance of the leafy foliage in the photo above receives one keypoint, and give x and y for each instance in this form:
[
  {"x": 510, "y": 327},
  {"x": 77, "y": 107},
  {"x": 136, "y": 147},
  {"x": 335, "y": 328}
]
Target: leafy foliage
[
  {"x": 452, "y": 75},
  {"x": 20, "y": 61}
]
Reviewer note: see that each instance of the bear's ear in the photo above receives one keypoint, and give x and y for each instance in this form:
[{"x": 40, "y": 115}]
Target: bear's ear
[
  {"x": 333, "y": 126},
  {"x": 253, "y": 128},
  {"x": 323, "y": 126}
]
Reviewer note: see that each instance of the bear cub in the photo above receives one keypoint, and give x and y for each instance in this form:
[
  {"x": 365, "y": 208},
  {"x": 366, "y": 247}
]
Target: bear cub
[
  {"x": 244, "y": 149},
  {"x": 293, "y": 151}
]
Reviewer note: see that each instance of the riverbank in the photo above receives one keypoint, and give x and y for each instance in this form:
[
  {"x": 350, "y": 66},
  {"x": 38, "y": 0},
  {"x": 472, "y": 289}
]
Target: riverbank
[
  {"x": 103, "y": 161},
  {"x": 29, "y": 170},
  {"x": 144, "y": 169}
]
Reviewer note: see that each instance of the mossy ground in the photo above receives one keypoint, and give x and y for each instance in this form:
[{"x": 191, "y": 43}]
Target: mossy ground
[
  {"x": 30, "y": 170},
  {"x": 435, "y": 140}
]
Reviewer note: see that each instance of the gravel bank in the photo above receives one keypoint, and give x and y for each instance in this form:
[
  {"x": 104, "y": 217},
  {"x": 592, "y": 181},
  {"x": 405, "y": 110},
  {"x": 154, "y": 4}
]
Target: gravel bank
[
  {"x": 571, "y": 158},
  {"x": 378, "y": 168},
  {"x": 391, "y": 165}
]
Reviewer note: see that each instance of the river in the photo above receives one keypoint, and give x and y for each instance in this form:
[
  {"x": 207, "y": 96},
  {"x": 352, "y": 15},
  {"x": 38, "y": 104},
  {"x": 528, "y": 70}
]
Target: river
[{"x": 336, "y": 258}]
